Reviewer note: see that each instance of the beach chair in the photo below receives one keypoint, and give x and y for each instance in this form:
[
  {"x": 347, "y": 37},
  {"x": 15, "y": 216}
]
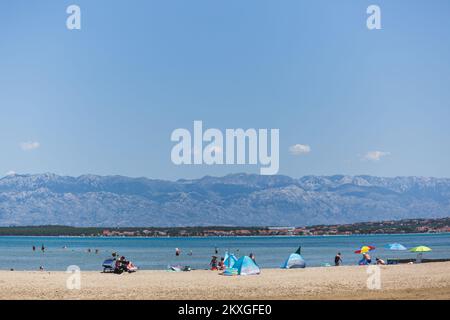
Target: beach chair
[
  {"x": 393, "y": 261},
  {"x": 109, "y": 265}
]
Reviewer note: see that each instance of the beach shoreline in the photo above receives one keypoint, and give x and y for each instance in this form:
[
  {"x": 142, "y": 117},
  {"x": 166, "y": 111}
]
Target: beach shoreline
[{"x": 410, "y": 281}]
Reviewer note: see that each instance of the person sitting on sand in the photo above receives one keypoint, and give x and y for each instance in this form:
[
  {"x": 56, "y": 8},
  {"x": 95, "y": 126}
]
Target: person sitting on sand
[
  {"x": 367, "y": 257},
  {"x": 380, "y": 261},
  {"x": 222, "y": 264},
  {"x": 213, "y": 263},
  {"x": 121, "y": 265},
  {"x": 338, "y": 259},
  {"x": 252, "y": 256}
]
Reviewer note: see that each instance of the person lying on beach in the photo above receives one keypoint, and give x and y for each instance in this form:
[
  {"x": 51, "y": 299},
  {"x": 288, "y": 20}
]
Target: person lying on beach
[{"x": 380, "y": 261}]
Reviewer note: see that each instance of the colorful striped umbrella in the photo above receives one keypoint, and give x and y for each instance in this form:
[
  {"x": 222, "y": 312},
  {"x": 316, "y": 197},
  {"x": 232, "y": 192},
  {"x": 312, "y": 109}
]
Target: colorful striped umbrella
[{"x": 365, "y": 249}]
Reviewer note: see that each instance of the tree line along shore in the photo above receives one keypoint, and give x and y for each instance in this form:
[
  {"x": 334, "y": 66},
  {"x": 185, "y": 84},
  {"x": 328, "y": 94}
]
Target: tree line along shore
[{"x": 384, "y": 227}]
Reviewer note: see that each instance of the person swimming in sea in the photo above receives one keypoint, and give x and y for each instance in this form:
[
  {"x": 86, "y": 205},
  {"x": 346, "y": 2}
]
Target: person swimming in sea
[{"x": 177, "y": 252}]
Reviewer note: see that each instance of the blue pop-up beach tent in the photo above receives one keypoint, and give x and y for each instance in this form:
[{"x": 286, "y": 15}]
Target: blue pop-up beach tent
[
  {"x": 229, "y": 260},
  {"x": 294, "y": 261},
  {"x": 246, "y": 266}
]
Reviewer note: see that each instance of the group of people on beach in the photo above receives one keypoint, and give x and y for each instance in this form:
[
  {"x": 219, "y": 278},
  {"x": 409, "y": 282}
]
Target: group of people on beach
[
  {"x": 365, "y": 260},
  {"x": 215, "y": 264},
  {"x": 121, "y": 264}
]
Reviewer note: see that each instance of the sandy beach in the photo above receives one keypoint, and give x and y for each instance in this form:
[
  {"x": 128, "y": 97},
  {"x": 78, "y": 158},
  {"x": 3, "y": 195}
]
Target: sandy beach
[{"x": 421, "y": 281}]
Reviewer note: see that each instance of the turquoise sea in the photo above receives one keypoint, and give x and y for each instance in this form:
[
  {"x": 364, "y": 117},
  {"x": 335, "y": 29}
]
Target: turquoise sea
[{"x": 158, "y": 253}]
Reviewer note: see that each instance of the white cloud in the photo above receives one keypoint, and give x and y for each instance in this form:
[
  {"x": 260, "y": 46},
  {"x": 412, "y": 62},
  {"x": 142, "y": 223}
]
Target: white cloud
[
  {"x": 375, "y": 155},
  {"x": 11, "y": 173},
  {"x": 30, "y": 145},
  {"x": 299, "y": 149}
]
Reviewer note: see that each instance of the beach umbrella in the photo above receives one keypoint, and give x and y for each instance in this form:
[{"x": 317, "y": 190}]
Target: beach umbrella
[
  {"x": 420, "y": 249},
  {"x": 396, "y": 246},
  {"x": 365, "y": 249}
]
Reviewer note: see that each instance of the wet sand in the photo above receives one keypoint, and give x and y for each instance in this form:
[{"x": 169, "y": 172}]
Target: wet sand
[{"x": 421, "y": 281}]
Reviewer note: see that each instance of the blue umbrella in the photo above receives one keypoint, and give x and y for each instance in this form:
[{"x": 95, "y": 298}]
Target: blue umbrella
[{"x": 395, "y": 246}]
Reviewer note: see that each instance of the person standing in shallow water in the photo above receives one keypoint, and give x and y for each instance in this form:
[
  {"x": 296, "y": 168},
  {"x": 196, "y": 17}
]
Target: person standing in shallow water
[
  {"x": 338, "y": 259},
  {"x": 43, "y": 248}
]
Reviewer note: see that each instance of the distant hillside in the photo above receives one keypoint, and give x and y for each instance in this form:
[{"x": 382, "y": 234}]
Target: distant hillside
[
  {"x": 441, "y": 225},
  {"x": 233, "y": 200}
]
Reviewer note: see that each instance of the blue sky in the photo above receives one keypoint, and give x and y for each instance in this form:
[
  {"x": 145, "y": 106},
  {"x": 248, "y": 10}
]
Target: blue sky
[{"x": 105, "y": 99}]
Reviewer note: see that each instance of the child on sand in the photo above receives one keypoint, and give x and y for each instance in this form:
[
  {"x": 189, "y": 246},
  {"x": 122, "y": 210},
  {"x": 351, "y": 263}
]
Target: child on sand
[{"x": 213, "y": 263}]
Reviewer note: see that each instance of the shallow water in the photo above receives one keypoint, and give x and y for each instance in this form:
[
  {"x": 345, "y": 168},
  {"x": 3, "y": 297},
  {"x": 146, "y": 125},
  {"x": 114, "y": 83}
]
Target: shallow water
[{"x": 158, "y": 253}]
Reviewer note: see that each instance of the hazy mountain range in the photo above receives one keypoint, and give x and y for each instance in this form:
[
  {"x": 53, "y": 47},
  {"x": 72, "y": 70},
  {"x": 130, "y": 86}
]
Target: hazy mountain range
[{"x": 235, "y": 200}]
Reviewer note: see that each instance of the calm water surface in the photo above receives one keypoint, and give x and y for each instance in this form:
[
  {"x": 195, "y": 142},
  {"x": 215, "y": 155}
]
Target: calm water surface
[{"x": 158, "y": 253}]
